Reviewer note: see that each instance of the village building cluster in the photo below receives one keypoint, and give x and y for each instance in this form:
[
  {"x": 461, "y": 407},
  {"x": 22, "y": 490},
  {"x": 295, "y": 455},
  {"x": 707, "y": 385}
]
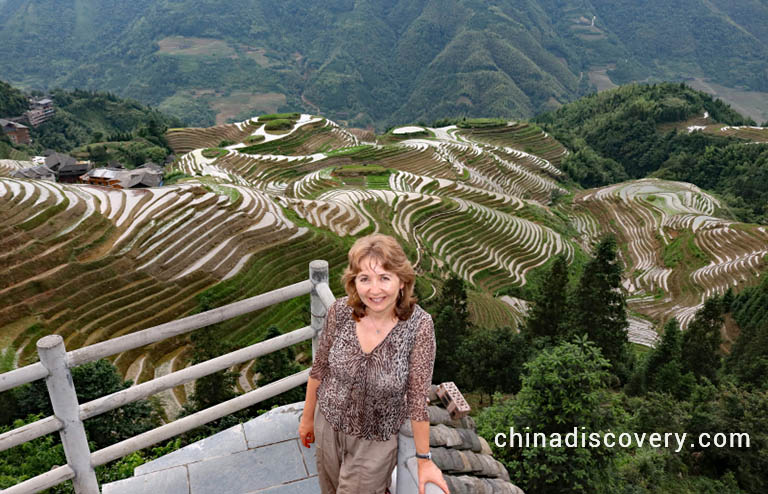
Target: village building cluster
[
  {"x": 63, "y": 168},
  {"x": 39, "y": 111}
]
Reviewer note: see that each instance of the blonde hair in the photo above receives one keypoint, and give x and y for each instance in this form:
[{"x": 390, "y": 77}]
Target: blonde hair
[{"x": 391, "y": 256}]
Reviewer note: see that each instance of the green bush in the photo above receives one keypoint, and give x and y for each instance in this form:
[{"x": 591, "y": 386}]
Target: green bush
[
  {"x": 279, "y": 116},
  {"x": 481, "y": 123},
  {"x": 174, "y": 176},
  {"x": 358, "y": 170},
  {"x": 279, "y": 124},
  {"x": 214, "y": 152},
  {"x": 254, "y": 139}
]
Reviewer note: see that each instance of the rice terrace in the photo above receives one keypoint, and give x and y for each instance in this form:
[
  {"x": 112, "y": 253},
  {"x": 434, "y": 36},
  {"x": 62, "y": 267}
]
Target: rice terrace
[{"x": 261, "y": 198}]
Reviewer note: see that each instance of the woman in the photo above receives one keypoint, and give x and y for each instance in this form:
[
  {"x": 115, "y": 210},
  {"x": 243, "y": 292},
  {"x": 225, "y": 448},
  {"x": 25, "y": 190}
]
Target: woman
[{"x": 372, "y": 371}]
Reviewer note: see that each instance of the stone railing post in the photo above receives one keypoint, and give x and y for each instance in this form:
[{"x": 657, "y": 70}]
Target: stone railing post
[
  {"x": 61, "y": 390},
  {"x": 318, "y": 273}
]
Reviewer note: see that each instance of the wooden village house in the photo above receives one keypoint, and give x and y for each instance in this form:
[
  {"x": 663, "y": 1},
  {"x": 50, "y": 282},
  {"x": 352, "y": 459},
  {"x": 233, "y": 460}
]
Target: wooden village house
[{"x": 18, "y": 133}]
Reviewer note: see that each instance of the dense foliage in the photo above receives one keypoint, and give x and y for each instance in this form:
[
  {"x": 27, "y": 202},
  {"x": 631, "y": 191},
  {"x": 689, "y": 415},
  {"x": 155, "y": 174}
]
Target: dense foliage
[
  {"x": 727, "y": 40},
  {"x": 97, "y": 126},
  {"x": 619, "y": 135},
  {"x": 29, "y": 403},
  {"x": 89, "y": 118},
  {"x": 599, "y": 307},
  {"x": 374, "y": 61},
  {"x": 93, "y": 380},
  {"x": 596, "y": 308},
  {"x": 685, "y": 384},
  {"x": 12, "y": 101},
  {"x": 481, "y": 359},
  {"x": 548, "y": 316},
  {"x": 739, "y": 172},
  {"x": 563, "y": 389},
  {"x": 748, "y": 361}
]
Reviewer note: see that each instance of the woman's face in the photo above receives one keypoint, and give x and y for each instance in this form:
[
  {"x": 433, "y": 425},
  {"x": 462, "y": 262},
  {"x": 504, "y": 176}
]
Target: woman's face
[{"x": 378, "y": 288}]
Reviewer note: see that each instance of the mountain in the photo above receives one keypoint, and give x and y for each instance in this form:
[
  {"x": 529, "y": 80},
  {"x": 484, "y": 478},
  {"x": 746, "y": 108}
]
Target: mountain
[
  {"x": 88, "y": 117},
  {"x": 90, "y": 121},
  {"x": 255, "y": 201},
  {"x": 374, "y": 62},
  {"x": 667, "y": 131}
]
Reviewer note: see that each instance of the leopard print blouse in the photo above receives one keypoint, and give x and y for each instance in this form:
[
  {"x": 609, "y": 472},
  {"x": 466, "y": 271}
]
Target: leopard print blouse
[{"x": 370, "y": 395}]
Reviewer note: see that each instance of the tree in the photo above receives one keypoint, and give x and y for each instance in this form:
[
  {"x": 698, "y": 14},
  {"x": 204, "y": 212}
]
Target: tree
[
  {"x": 93, "y": 380},
  {"x": 215, "y": 388},
  {"x": 702, "y": 339},
  {"x": 748, "y": 361},
  {"x": 564, "y": 389},
  {"x": 31, "y": 458},
  {"x": 599, "y": 308},
  {"x": 728, "y": 409},
  {"x": 38, "y": 456},
  {"x": 275, "y": 366},
  {"x": 99, "y": 154},
  {"x": 492, "y": 360},
  {"x": 451, "y": 329},
  {"x": 454, "y": 294},
  {"x": 548, "y": 316},
  {"x": 664, "y": 368}
]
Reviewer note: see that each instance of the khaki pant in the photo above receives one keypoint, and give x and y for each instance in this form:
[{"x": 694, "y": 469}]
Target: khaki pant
[{"x": 349, "y": 465}]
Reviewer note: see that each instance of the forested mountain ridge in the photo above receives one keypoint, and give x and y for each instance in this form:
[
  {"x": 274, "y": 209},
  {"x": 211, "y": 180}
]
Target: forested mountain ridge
[
  {"x": 93, "y": 123},
  {"x": 373, "y": 61},
  {"x": 494, "y": 226},
  {"x": 486, "y": 200},
  {"x": 668, "y": 131}
]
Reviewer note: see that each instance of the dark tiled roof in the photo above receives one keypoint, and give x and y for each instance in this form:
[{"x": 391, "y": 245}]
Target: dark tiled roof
[
  {"x": 55, "y": 161},
  {"x": 12, "y": 124},
  {"x": 150, "y": 164},
  {"x": 126, "y": 179},
  {"x": 41, "y": 172},
  {"x": 464, "y": 457}
]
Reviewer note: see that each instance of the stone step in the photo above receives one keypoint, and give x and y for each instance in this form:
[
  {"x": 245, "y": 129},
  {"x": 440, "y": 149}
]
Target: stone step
[{"x": 260, "y": 456}]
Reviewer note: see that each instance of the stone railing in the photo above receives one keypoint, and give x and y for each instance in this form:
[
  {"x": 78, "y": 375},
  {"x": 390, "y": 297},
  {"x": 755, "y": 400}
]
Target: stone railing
[{"x": 55, "y": 364}]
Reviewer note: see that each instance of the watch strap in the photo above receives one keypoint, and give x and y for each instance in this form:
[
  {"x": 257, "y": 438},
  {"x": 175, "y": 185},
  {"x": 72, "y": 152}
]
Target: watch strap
[{"x": 427, "y": 456}]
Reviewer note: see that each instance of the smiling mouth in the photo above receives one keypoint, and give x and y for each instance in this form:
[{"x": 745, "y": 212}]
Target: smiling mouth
[{"x": 377, "y": 300}]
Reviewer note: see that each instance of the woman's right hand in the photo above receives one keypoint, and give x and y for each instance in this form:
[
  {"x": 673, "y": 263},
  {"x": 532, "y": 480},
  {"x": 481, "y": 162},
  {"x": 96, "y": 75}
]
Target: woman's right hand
[{"x": 306, "y": 431}]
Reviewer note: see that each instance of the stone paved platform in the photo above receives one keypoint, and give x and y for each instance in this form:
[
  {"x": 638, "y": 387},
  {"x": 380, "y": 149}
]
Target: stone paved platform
[{"x": 260, "y": 456}]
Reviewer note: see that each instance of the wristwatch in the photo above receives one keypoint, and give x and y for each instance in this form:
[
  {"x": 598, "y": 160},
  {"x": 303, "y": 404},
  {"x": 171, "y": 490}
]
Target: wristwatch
[{"x": 427, "y": 456}]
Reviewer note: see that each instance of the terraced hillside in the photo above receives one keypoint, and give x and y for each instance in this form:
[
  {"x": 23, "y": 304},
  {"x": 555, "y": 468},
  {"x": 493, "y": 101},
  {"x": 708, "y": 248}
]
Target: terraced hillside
[
  {"x": 91, "y": 263},
  {"x": 676, "y": 250},
  {"x": 705, "y": 123}
]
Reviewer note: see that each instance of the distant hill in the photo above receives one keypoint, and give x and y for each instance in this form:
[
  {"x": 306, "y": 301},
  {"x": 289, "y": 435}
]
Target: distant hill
[
  {"x": 668, "y": 131},
  {"x": 96, "y": 119},
  {"x": 375, "y": 62},
  {"x": 255, "y": 201}
]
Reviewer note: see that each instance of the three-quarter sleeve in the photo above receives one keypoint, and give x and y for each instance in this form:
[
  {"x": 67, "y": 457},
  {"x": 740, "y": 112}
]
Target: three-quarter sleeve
[
  {"x": 422, "y": 361},
  {"x": 325, "y": 342}
]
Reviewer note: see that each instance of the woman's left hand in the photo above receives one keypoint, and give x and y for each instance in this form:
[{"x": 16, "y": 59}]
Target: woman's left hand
[{"x": 428, "y": 472}]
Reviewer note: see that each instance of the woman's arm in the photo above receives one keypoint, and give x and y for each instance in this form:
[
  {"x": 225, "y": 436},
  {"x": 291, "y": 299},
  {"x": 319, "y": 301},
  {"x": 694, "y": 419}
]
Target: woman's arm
[
  {"x": 307, "y": 424},
  {"x": 428, "y": 471},
  {"x": 319, "y": 370},
  {"x": 421, "y": 363}
]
